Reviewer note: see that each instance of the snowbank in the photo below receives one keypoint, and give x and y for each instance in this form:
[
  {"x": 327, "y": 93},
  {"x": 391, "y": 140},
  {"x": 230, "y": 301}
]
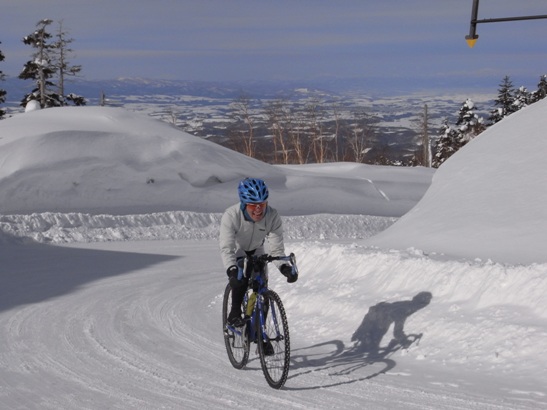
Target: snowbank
[
  {"x": 59, "y": 228},
  {"x": 105, "y": 160},
  {"x": 488, "y": 200}
]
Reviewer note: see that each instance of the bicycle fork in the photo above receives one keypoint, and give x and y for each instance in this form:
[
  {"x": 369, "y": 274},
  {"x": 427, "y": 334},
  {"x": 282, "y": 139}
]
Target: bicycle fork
[{"x": 265, "y": 308}]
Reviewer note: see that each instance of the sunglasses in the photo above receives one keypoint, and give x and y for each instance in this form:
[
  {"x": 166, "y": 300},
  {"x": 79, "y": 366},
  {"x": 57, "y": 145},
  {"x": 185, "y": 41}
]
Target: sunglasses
[{"x": 254, "y": 206}]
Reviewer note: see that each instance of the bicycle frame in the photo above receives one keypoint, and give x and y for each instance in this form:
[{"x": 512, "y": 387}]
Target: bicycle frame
[{"x": 257, "y": 314}]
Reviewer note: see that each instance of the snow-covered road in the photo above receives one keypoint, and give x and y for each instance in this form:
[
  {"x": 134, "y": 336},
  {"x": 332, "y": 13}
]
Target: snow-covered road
[{"x": 136, "y": 325}]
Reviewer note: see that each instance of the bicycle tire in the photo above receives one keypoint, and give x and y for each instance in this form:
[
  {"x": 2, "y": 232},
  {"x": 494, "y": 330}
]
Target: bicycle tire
[
  {"x": 237, "y": 344},
  {"x": 275, "y": 366}
]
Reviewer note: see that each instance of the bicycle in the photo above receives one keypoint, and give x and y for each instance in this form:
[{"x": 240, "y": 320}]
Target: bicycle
[{"x": 266, "y": 322}]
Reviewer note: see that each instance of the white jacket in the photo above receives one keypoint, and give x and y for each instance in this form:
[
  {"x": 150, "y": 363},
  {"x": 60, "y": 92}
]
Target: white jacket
[{"x": 238, "y": 235}]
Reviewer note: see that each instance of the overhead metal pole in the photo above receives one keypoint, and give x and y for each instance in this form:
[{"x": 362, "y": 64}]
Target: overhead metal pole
[
  {"x": 544, "y": 16},
  {"x": 472, "y": 37}
]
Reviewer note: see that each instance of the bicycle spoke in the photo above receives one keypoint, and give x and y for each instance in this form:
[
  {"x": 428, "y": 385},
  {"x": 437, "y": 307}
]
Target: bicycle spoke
[
  {"x": 235, "y": 340},
  {"x": 274, "y": 344}
]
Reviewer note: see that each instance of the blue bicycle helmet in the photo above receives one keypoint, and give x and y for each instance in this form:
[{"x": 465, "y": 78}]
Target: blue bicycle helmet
[{"x": 252, "y": 190}]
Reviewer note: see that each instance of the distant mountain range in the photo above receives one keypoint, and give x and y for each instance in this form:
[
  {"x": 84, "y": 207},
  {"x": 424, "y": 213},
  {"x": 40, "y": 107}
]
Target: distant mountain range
[{"x": 91, "y": 89}]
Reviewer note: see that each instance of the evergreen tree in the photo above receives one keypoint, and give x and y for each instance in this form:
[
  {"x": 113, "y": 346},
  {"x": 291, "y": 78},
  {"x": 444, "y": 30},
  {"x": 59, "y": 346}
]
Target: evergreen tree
[
  {"x": 449, "y": 141},
  {"x": 2, "y": 92},
  {"x": 504, "y": 102},
  {"x": 41, "y": 68},
  {"x": 75, "y": 99},
  {"x": 469, "y": 123},
  {"x": 541, "y": 91},
  {"x": 522, "y": 99}
]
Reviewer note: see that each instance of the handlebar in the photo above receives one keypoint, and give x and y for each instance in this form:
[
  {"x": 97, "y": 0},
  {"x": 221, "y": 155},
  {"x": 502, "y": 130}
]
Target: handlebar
[
  {"x": 268, "y": 258},
  {"x": 265, "y": 258},
  {"x": 290, "y": 258}
]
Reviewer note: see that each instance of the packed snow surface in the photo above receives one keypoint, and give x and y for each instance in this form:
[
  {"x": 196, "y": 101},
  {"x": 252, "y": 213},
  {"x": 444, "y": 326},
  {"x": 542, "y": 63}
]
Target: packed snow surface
[{"x": 111, "y": 281}]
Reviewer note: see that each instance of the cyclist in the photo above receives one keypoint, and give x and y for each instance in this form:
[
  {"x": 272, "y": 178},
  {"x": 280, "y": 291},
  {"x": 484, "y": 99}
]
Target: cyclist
[{"x": 243, "y": 230}]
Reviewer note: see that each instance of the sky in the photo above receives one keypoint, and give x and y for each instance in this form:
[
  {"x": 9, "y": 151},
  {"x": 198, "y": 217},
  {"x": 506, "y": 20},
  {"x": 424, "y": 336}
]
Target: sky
[
  {"x": 396, "y": 42},
  {"x": 118, "y": 309}
]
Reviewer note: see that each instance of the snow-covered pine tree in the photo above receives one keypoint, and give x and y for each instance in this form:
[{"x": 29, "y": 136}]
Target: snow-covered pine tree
[
  {"x": 41, "y": 68},
  {"x": 522, "y": 98},
  {"x": 2, "y": 92},
  {"x": 469, "y": 123},
  {"x": 504, "y": 102},
  {"x": 541, "y": 91},
  {"x": 447, "y": 144},
  {"x": 76, "y": 99},
  {"x": 451, "y": 139}
]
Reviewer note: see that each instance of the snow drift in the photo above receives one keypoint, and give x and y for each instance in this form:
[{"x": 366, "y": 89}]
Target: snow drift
[
  {"x": 109, "y": 160},
  {"x": 488, "y": 200}
]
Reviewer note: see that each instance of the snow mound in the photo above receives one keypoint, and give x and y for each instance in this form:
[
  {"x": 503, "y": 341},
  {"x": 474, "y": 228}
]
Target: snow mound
[
  {"x": 99, "y": 158},
  {"x": 105, "y": 160},
  {"x": 488, "y": 200}
]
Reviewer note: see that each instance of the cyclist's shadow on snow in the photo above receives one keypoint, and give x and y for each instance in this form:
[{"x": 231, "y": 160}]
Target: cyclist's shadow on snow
[{"x": 335, "y": 359}]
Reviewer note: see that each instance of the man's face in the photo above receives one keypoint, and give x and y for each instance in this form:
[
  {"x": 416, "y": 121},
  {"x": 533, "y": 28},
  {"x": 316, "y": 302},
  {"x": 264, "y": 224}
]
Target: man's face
[{"x": 256, "y": 211}]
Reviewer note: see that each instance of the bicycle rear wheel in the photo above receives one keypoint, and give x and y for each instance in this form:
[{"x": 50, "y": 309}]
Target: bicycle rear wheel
[
  {"x": 235, "y": 340},
  {"x": 275, "y": 359}
]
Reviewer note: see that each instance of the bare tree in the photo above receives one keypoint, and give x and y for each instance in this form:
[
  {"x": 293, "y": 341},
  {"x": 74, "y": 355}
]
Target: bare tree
[
  {"x": 360, "y": 135},
  {"x": 290, "y": 128},
  {"x": 424, "y": 156},
  {"x": 63, "y": 52},
  {"x": 278, "y": 116},
  {"x": 243, "y": 124},
  {"x": 298, "y": 138},
  {"x": 2, "y": 92},
  {"x": 336, "y": 114},
  {"x": 172, "y": 115},
  {"x": 357, "y": 142},
  {"x": 313, "y": 115}
]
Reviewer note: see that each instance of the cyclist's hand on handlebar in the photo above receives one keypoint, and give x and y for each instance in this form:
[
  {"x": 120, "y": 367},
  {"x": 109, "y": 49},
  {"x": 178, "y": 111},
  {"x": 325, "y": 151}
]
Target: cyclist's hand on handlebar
[
  {"x": 231, "y": 272},
  {"x": 286, "y": 270}
]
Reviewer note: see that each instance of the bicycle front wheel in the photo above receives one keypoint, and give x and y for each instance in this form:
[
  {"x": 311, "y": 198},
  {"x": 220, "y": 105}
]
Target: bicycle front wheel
[
  {"x": 274, "y": 345},
  {"x": 236, "y": 340}
]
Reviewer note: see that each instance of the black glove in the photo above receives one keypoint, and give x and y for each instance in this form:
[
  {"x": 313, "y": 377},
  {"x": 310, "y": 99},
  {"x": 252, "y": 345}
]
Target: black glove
[
  {"x": 286, "y": 270},
  {"x": 232, "y": 272}
]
